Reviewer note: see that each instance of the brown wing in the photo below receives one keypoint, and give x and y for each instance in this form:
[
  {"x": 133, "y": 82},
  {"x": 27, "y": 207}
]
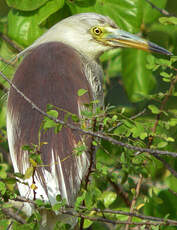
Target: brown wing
[{"x": 51, "y": 74}]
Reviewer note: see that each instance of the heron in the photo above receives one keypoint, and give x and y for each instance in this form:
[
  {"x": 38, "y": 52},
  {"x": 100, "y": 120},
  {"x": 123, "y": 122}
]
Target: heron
[{"x": 58, "y": 64}]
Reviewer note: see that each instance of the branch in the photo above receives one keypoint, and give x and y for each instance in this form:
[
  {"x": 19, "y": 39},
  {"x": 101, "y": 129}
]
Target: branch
[
  {"x": 11, "y": 214},
  {"x": 90, "y": 169},
  {"x": 109, "y": 211},
  {"x": 120, "y": 192},
  {"x": 7, "y": 62},
  {"x": 88, "y": 132},
  {"x": 140, "y": 180},
  {"x": 99, "y": 219},
  {"x": 162, "y": 11},
  {"x": 173, "y": 192},
  {"x": 10, "y": 42},
  {"x": 167, "y": 166},
  {"x": 152, "y": 218}
]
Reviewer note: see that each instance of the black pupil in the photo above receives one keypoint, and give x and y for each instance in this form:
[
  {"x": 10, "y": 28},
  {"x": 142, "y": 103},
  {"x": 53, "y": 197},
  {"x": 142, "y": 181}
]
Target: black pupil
[{"x": 97, "y": 31}]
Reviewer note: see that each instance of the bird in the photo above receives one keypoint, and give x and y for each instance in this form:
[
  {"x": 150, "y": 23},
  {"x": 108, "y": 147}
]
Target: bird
[{"x": 55, "y": 67}]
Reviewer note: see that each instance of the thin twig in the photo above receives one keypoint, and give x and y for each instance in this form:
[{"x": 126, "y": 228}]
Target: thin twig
[
  {"x": 9, "y": 212},
  {"x": 133, "y": 203},
  {"x": 88, "y": 132},
  {"x": 151, "y": 138},
  {"x": 90, "y": 169},
  {"x": 162, "y": 11},
  {"x": 7, "y": 62},
  {"x": 10, "y": 42},
  {"x": 169, "y": 93},
  {"x": 131, "y": 118},
  {"x": 167, "y": 166},
  {"x": 152, "y": 218},
  {"x": 173, "y": 192},
  {"x": 120, "y": 192}
]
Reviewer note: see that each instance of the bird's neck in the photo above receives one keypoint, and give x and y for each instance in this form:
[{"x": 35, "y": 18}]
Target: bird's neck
[{"x": 94, "y": 74}]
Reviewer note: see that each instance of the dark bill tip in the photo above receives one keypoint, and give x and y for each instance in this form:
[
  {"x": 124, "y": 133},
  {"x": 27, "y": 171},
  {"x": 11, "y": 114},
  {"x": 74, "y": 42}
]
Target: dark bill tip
[{"x": 157, "y": 49}]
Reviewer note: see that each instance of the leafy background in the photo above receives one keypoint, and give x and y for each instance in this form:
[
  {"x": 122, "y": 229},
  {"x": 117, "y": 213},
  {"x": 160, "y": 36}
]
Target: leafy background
[{"x": 134, "y": 80}]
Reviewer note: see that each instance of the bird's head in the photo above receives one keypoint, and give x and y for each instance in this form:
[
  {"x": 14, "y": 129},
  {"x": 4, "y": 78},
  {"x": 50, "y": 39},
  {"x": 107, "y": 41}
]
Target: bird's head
[{"x": 92, "y": 34}]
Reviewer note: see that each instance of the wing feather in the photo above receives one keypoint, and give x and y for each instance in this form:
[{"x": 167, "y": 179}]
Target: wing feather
[{"x": 51, "y": 74}]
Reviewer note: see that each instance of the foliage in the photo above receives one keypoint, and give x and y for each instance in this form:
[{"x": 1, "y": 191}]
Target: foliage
[{"x": 134, "y": 81}]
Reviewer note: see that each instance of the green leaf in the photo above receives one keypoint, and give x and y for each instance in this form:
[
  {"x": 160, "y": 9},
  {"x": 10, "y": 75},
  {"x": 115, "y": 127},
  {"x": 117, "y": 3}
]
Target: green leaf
[
  {"x": 162, "y": 61},
  {"x": 26, "y": 5},
  {"x": 165, "y": 74},
  {"x": 128, "y": 123},
  {"x": 154, "y": 109},
  {"x": 74, "y": 117},
  {"x": 173, "y": 122},
  {"x": 19, "y": 175},
  {"x": 58, "y": 198},
  {"x": 112, "y": 58},
  {"x": 48, "y": 123},
  {"x": 5, "y": 223},
  {"x": 53, "y": 113},
  {"x": 80, "y": 148},
  {"x": 10, "y": 180},
  {"x": 172, "y": 182},
  {"x": 89, "y": 199},
  {"x": 138, "y": 160},
  {"x": 39, "y": 203},
  {"x": 170, "y": 139},
  {"x": 162, "y": 144},
  {"x": 48, "y": 9},
  {"x": 58, "y": 128},
  {"x": 7, "y": 205},
  {"x": 23, "y": 27},
  {"x": 87, "y": 223},
  {"x": 56, "y": 207},
  {"x": 109, "y": 198},
  {"x": 151, "y": 65},
  {"x": 168, "y": 20},
  {"x": 3, "y": 174},
  {"x": 143, "y": 135},
  {"x": 81, "y": 92},
  {"x": 138, "y": 81},
  {"x": 126, "y": 13},
  {"x": 2, "y": 188},
  {"x": 6, "y": 53},
  {"x": 29, "y": 173},
  {"x": 80, "y": 199},
  {"x": 36, "y": 158},
  {"x": 149, "y": 13},
  {"x": 27, "y": 148},
  {"x": 94, "y": 143}
]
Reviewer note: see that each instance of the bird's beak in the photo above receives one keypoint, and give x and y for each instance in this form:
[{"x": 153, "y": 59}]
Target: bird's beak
[{"x": 120, "y": 38}]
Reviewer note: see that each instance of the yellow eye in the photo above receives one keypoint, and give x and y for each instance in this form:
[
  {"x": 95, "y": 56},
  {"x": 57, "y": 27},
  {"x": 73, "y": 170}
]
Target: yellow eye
[{"x": 97, "y": 31}]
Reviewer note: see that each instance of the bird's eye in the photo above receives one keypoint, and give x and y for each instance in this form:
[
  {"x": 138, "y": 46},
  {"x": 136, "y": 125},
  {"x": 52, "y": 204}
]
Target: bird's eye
[{"x": 97, "y": 31}]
